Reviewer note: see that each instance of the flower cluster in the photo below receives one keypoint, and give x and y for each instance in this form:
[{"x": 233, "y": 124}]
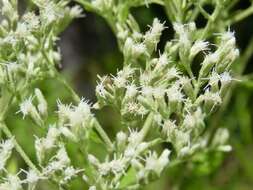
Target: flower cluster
[
  {"x": 74, "y": 119},
  {"x": 167, "y": 87},
  {"x": 28, "y": 42},
  {"x": 28, "y": 53},
  {"x": 5, "y": 152},
  {"x": 163, "y": 95}
]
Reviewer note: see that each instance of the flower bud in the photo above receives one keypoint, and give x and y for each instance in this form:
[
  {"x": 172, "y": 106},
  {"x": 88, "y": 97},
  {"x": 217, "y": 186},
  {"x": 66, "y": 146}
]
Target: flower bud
[
  {"x": 121, "y": 140},
  {"x": 42, "y": 103}
]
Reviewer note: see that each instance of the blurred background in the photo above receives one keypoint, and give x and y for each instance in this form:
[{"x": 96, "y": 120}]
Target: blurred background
[{"x": 89, "y": 48}]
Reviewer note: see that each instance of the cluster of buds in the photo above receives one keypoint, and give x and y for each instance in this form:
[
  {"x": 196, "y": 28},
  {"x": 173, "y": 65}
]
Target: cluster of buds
[
  {"x": 28, "y": 41},
  {"x": 5, "y": 152},
  {"x": 45, "y": 145},
  {"x": 52, "y": 156},
  {"x": 59, "y": 165},
  {"x": 130, "y": 151},
  {"x": 168, "y": 87},
  {"x": 38, "y": 112},
  {"x": 74, "y": 121},
  {"x": 50, "y": 150}
]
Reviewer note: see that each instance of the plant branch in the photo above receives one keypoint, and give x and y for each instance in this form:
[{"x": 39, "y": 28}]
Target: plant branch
[
  {"x": 96, "y": 124},
  {"x": 103, "y": 135},
  {"x": 18, "y": 148},
  {"x": 241, "y": 15}
]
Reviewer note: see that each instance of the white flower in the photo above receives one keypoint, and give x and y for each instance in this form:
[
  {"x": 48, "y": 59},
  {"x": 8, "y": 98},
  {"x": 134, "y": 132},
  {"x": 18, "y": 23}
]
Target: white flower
[
  {"x": 13, "y": 67},
  {"x": 157, "y": 27},
  {"x": 132, "y": 107},
  {"x": 214, "y": 78},
  {"x": 32, "y": 176},
  {"x": 172, "y": 73},
  {"x": 75, "y": 116},
  {"x": 76, "y": 11},
  {"x": 158, "y": 92},
  {"x": 145, "y": 78},
  {"x": 142, "y": 146},
  {"x": 183, "y": 34},
  {"x": 93, "y": 160},
  {"x": 31, "y": 20},
  {"x": 225, "y": 77},
  {"x": 162, "y": 61},
  {"x": 22, "y": 30},
  {"x": 214, "y": 97},
  {"x": 63, "y": 110},
  {"x": 92, "y": 188},
  {"x": 194, "y": 119},
  {"x": 130, "y": 152},
  {"x": 131, "y": 91},
  {"x": 142, "y": 111},
  {"x": 42, "y": 103},
  {"x": 138, "y": 49},
  {"x": 121, "y": 137},
  {"x": 27, "y": 107},
  {"x": 175, "y": 94},
  {"x": 232, "y": 55},
  {"x": 137, "y": 35},
  {"x": 80, "y": 113},
  {"x": 225, "y": 148},
  {"x": 147, "y": 91},
  {"x": 226, "y": 36},
  {"x": 62, "y": 156},
  {"x": 100, "y": 88},
  {"x": 12, "y": 182},
  {"x": 122, "y": 32},
  {"x": 163, "y": 161},
  {"x": 49, "y": 14},
  {"x": 59, "y": 162},
  {"x": 151, "y": 161},
  {"x": 44, "y": 144},
  {"x": 192, "y": 26},
  {"x": 68, "y": 133},
  {"x": 117, "y": 165},
  {"x": 5, "y": 152},
  {"x": 134, "y": 136},
  {"x": 152, "y": 36},
  {"x": 69, "y": 173},
  {"x": 212, "y": 58},
  {"x": 197, "y": 47},
  {"x": 179, "y": 28},
  {"x": 119, "y": 81},
  {"x": 104, "y": 168}
]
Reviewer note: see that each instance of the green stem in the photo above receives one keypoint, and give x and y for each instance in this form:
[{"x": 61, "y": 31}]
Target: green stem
[
  {"x": 103, "y": 135},
  {"x": 86, "y": 4},
  {"x": 150, "y": 144},
  {"x": 74, "y": 95},
  {"x": 144, "y": 131},
  {"x": 147, "y": 125},
  {"x": 18, "y": 148},
  {"x": 241, "y": 15},
  {"x": 22, "y": 153},
  {"x": 211, "y": 21},
  {"x": 96, "y": 124},
  {"x": 232, "y": 4},
  {"x": 170, "y": 10}
]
